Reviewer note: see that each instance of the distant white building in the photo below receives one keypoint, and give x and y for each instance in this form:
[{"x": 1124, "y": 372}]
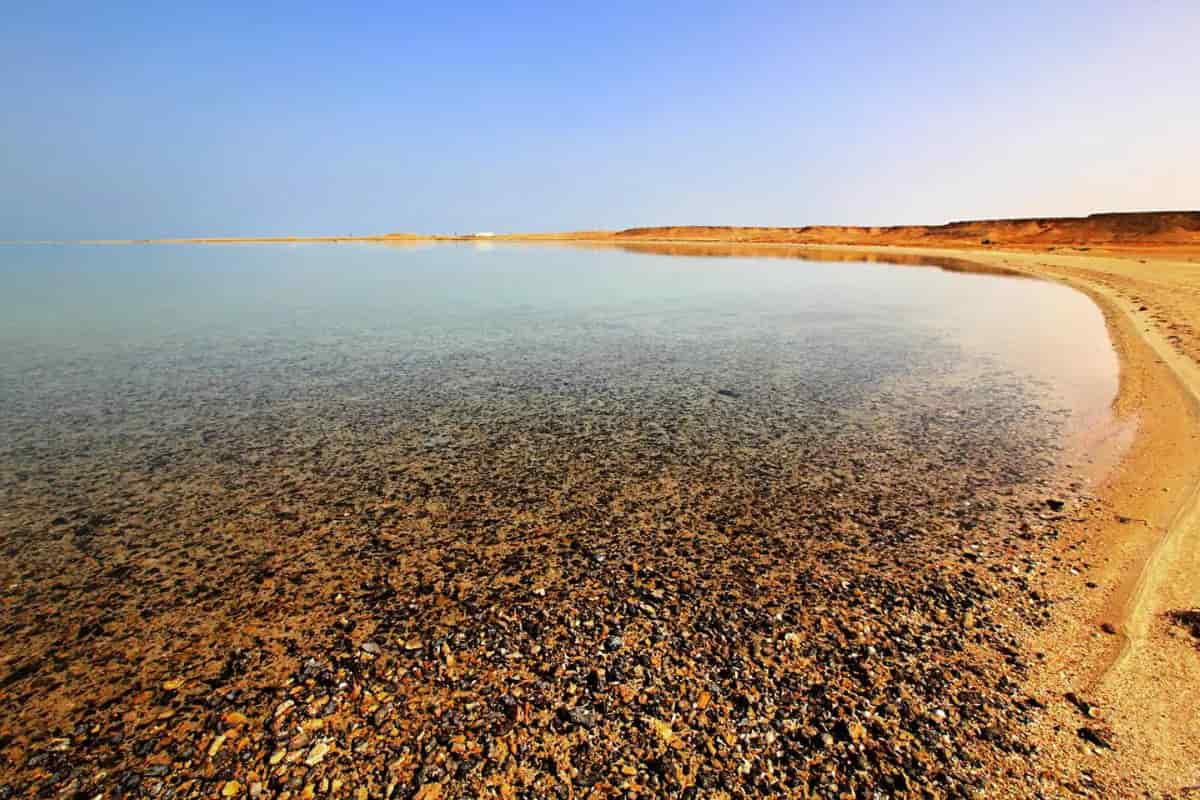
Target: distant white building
[{"x": 484, "y": 235}]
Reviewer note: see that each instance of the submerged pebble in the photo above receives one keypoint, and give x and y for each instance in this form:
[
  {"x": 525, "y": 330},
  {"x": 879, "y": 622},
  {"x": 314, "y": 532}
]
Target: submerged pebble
[{"x": 548, "y": 563}]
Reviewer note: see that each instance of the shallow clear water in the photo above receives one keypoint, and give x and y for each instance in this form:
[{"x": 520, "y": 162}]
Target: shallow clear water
[
  {"x": 89, "y": 330},
  {"x": 223, "y": 468}
]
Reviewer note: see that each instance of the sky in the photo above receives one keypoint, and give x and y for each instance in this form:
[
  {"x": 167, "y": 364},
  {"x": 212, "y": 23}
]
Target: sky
[{"x": 145, "y": 120}]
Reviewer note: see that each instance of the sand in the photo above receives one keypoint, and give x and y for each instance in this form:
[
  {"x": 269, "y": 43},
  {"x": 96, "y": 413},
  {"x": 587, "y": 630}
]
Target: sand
[{"x": 1146, "y": 679}]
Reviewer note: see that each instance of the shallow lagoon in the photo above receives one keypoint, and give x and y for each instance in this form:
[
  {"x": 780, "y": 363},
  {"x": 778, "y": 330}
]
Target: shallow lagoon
[
  {"x": 225, "y": 464},
  {"x": 86, "y": 318}
]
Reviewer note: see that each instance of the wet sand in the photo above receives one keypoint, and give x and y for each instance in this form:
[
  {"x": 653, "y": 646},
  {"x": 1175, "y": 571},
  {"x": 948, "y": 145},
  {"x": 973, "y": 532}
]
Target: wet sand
[
  {"x": 1144, "y": 547},
  {"x": 573, "y": 664}
]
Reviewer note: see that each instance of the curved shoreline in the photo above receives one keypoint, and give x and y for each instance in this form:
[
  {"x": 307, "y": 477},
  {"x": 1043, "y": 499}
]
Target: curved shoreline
[
  {"x": 1142, "y": 543},
  {"x": 1109, "y": 645},
  {"x": 1143, "y": 540},
  {"x": 1154, "y": 674}
]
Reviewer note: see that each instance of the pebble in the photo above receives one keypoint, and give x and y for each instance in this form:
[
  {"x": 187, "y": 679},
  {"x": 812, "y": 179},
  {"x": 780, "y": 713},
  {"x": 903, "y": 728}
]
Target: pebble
[
  {"x": 574, "y": 582},
  {"x": 316, "y": 754}
]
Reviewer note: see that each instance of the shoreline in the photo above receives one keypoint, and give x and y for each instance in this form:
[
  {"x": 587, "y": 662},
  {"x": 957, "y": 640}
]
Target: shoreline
[
  {"x": 1156, "y": 250},
  {"x": 1147, "y": 686},
  {"x": 1138, "y": 680},
  {"x": 1140, "y": 571},
  {"x": 1142, "y": 679},
  {"x": 1162, "y": 232},
  {"x": 1142, "y": 540}
]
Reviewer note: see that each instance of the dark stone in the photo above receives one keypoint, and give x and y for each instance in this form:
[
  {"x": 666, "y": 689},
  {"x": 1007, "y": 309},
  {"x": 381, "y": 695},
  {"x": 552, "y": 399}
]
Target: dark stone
[{"x": 1096, "y": 737}]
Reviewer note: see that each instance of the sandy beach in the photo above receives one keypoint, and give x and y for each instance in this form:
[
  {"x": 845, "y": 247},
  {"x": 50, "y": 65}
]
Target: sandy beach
[
  {"x": 1121, "y": 641},
  {"x": 1144, "y": 540}
]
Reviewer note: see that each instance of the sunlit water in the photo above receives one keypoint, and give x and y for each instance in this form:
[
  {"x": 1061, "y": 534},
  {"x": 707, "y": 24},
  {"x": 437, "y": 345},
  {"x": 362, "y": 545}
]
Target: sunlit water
[
  {"x": 149, "y": 340},
  {"x": 220, "y": 465}
]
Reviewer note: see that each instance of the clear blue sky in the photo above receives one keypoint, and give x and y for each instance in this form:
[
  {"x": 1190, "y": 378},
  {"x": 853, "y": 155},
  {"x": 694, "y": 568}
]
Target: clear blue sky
[{"x": 130, "y": 119}]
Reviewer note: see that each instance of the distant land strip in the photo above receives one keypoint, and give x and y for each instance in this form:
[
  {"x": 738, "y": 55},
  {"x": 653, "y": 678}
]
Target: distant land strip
[{"x": 1120, "y": 229}]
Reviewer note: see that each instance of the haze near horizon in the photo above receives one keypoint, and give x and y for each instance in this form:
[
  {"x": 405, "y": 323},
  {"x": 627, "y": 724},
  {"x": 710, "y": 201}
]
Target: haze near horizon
[{"x": 146, "y": 121}]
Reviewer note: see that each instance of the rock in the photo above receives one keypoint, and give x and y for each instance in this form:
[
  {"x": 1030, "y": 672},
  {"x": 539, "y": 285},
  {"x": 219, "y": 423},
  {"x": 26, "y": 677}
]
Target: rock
[
  {"x": 371, "y": 648},
  {"x": 661, "y": 729},
  {"x": 1096, "y": 736},
  {"x": 317, "y": 753},
  {"x": 429, "y": 791},
  {"x": 1085, "y": 708},
  {"x": 231, "y": 789},
  {"x": 215, "y": 746},
  {"x": 583, "y": 718},
  {"x": 849, "y": 731}
]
